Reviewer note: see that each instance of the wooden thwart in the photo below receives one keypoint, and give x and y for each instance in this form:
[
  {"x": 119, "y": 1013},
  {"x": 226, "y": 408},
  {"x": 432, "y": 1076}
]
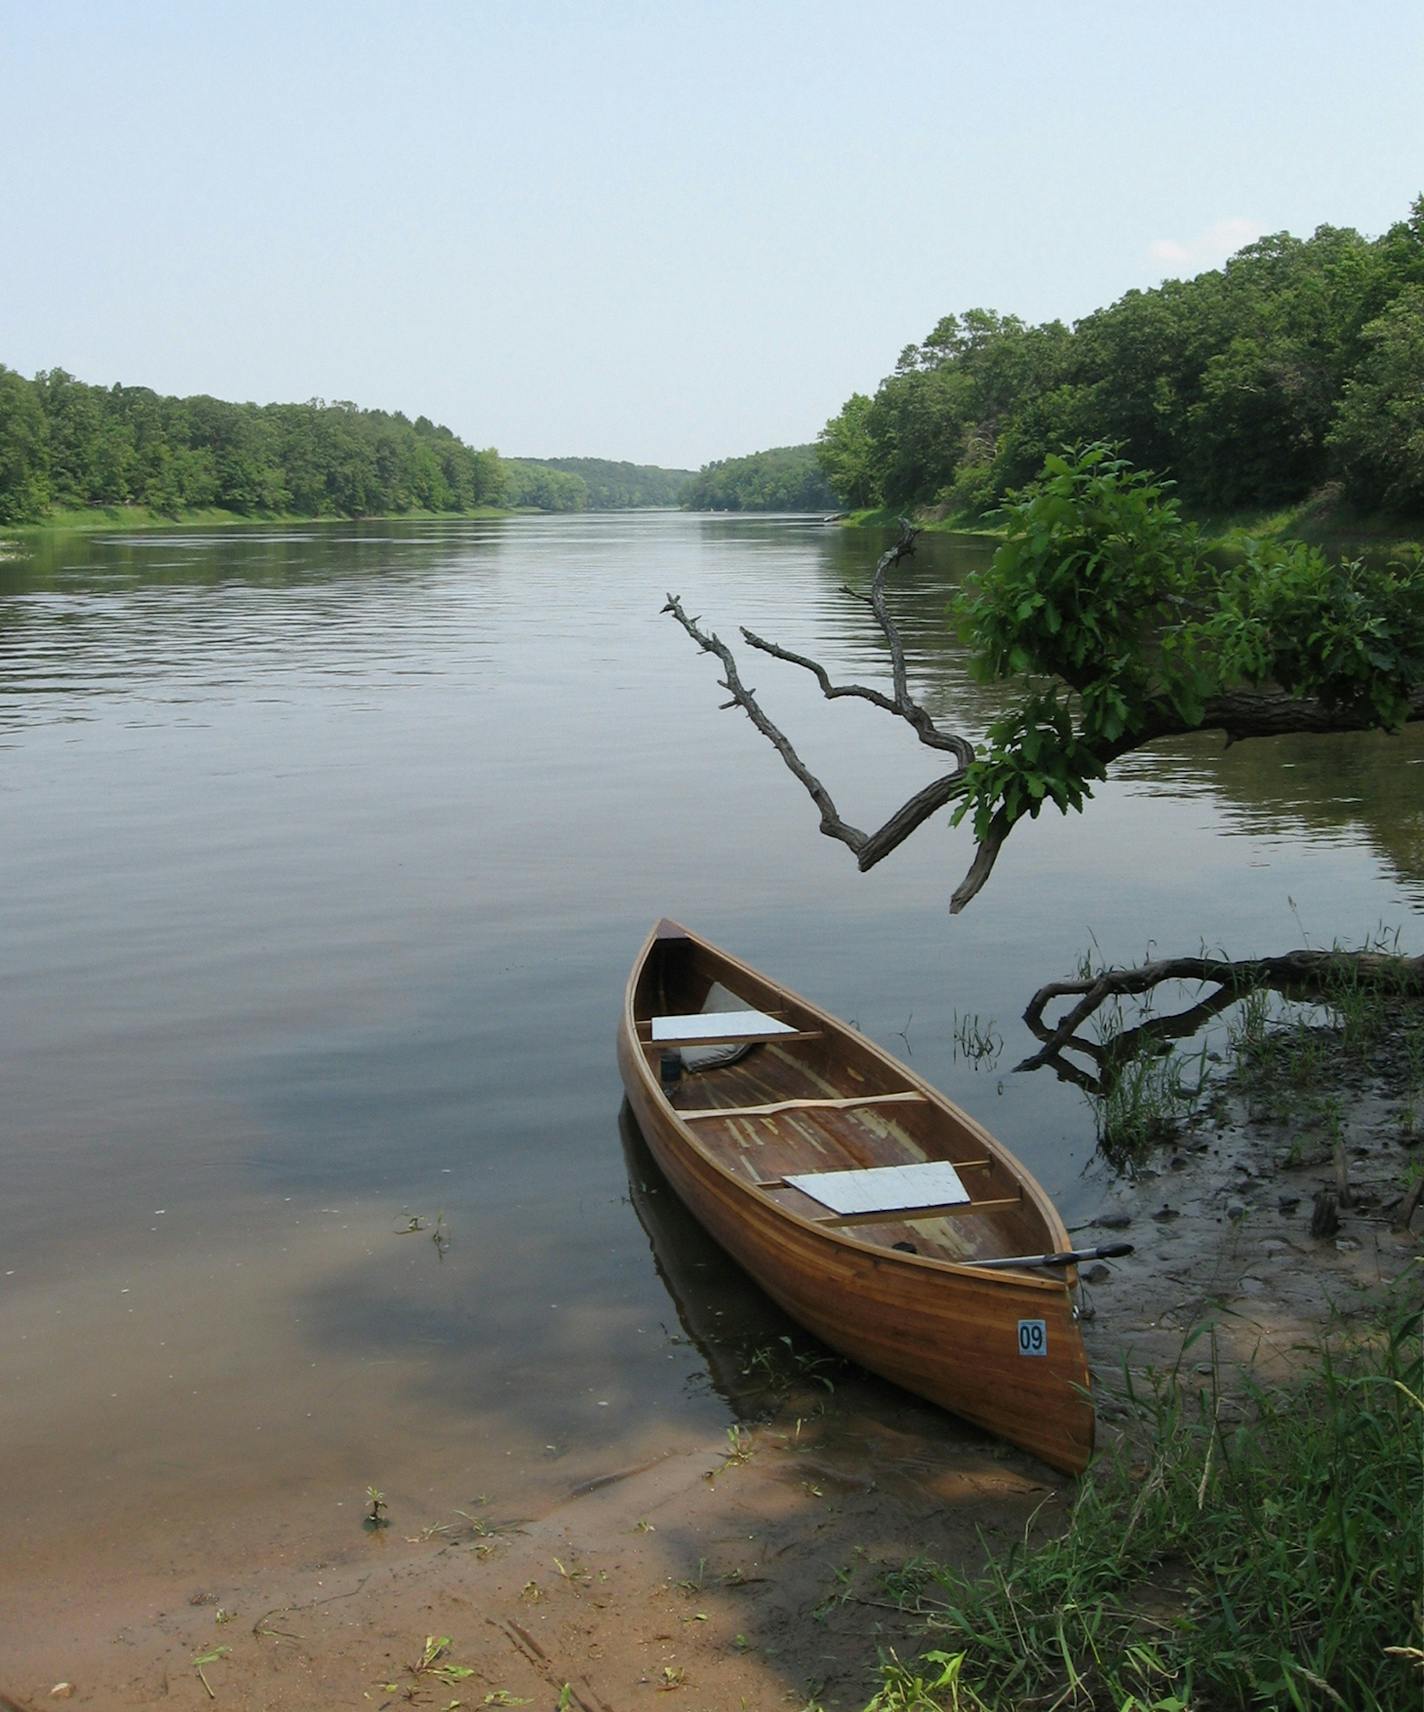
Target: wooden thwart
[
  {"x": 906, "y": 1215},
  {"x": 842, "y": 1105},
  {"x": 959, "y": 1165},
  {"x": 748, "y": 1039}
]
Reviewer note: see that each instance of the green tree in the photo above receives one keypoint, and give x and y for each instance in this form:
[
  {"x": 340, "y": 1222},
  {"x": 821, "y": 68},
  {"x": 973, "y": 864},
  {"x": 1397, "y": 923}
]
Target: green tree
[
  {"x": 1231, "y": 381},
  {"x": 785, "y": 478},
  {"x": 75, "y": 417},
  {"x": 844, "y": 453},
  {"x": 1118, "y": 627},
  {"x": 94, "y": 446},
  {"x": 24, "y": 451},
  {"x": 1378, "y": 435}
]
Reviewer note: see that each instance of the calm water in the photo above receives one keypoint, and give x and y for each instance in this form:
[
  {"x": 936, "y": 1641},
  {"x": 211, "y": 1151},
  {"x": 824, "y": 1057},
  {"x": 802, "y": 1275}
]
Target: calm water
[{"x": 325, "y": 853}]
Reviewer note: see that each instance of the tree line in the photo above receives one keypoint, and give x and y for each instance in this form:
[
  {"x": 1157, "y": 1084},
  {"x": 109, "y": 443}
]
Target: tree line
[
  {"x": 618, "y": 486},
  {"x": 1298, "y": 364},
  {"x": 68, "y": 445},
  {"x": 786, "y": 478}
]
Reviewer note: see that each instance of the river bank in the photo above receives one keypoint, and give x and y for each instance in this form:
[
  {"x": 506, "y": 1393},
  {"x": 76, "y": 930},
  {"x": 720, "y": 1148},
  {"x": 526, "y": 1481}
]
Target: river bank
[
  {"x": 773, "y": 1567},
  {"x": 91, "y": 518},
  {"x": 1321, "y": 520}
]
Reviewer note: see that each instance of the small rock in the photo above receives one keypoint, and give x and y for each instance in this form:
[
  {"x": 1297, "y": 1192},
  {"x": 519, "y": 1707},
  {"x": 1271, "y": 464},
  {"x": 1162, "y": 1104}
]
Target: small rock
[
  {"x": 61, "y": 1691},
  {"x": 1273, "y": 1245},
  {"x": 1324, "y": 1215},
  {"x": 1177, "y": 1162},
  {"x": 1288, "y": 1203},
  {"x": 1164, "y": 1213},
  {"x": 1236, "y": 1210},
  {"x": 1251, "y": 1287},
  {"x": 1347, "y": 1245},
  {"x": 1113, "y": 1221},
  {"x": 1205, "y": 1367},
  {"x": 1098, "y": 1273}
]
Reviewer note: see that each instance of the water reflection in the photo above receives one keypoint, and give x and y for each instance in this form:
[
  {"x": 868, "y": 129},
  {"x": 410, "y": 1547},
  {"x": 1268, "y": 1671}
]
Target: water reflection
[{"x": 722, "y": 1313}]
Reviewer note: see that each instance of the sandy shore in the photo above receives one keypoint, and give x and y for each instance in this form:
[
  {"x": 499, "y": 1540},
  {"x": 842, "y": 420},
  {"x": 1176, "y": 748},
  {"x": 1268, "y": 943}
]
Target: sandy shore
[{"x": 749, "y": 1573}]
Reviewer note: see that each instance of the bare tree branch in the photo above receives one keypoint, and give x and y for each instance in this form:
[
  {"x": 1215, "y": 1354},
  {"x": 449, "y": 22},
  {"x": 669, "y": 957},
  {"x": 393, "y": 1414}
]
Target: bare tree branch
[
  {"x": 902, "y": 703},
  {"x": 986, "y": 854},
  {"x": 1296, "y": 974},
  {"x": 869, "y": 848},
  {"x": 831, "y": 823}
]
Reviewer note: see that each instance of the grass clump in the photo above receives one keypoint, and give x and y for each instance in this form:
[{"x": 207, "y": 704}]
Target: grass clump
[
  {"x": 1148, "y": 1101},
  {"x": 1274, "y": 1562}
]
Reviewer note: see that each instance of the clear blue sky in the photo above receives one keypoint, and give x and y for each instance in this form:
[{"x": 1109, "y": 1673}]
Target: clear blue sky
[{"x": 669, "y": 231}]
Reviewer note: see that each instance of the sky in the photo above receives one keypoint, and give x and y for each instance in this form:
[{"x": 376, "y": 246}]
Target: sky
[{"x": 667, "y": 232}]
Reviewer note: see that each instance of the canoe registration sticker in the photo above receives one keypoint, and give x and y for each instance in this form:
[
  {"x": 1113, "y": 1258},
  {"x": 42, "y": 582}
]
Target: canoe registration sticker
[{"x": 1033, "y": 1337}]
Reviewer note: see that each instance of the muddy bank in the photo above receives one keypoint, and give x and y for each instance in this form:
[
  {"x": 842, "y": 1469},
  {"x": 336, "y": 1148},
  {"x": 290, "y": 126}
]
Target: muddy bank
[
  {"x": 757, "y": 1571},
  {"x": 1222, "y": 1227}
]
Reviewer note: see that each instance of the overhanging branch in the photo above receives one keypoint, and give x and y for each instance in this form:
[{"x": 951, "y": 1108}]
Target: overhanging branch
[
  {"x": 1239, "y": 713},
  {"x": 868, "y": 848}
]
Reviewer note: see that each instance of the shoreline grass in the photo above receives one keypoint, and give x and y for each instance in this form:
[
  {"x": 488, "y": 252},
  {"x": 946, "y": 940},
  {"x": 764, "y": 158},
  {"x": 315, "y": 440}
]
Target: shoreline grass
[
  {"x": 1255, "y": 1548},
  {"x": 89, "y": 519},
  {"x": 1226, "y": 1563}
]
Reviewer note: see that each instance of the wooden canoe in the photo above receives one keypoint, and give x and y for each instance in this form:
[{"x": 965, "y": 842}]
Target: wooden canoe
[{"x": 885, "y": 1266}]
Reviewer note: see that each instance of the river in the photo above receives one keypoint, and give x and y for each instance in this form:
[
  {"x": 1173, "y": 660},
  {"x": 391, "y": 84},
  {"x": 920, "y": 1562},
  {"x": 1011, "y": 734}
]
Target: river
[{"x": 325, "y": 852}]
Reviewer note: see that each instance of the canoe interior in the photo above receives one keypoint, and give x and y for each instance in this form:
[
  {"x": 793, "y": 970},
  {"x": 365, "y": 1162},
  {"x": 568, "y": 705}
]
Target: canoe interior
[{"x": 681, "y": 975}]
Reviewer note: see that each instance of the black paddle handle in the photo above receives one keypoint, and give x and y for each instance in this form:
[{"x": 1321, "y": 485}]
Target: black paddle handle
[{"x": 1069, "y": 1257}]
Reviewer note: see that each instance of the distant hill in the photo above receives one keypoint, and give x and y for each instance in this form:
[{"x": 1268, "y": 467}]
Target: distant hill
[
  {"x": 620, "y": 486},
  {"x": 784, "y": 478}
]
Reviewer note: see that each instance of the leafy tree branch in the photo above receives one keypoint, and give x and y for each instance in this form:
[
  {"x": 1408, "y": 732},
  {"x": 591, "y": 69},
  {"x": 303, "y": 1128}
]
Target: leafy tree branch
[{"x": 1115, "y": 626}]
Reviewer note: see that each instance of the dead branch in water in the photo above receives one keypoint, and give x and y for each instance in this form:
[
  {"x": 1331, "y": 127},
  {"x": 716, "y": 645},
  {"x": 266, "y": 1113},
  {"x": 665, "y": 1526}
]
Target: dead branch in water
[{"x": 1296, "y": 974}]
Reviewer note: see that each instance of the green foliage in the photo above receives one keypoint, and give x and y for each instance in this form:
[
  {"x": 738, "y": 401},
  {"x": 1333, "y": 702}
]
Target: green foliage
[
  {"x": 787, "y": 478},
  {"x": 66, "y": 444},
  {"x": 1349, "y": 634},
  {"x": 1118, "y": 626},
  {"x": 611, "y": 486},
  {"x": 24, "y": 451},
  {"x": 1270, "y": 1563},
  {"x": 844, "y": 453},
  {"x": 1296, "y": 364},
  {"x": 543, "y": 488},
  {"x": 1379, "y": 431}
]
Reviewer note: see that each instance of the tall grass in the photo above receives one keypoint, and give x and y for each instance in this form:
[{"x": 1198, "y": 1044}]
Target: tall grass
[{"x": 1274, "y": 1562}]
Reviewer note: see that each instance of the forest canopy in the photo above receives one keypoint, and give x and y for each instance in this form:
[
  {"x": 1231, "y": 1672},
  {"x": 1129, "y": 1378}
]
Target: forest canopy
[
  {"x": 618, "y": 486},
  {"x": 785, "y": 478},
  {"x": 1298, "y": 364},
  {"x": 66, "y": 444}
]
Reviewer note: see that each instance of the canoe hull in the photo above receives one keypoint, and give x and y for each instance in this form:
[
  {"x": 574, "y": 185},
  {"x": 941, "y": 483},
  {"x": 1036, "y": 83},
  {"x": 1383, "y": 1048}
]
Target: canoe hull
[{"x": 950, "y": 1334}]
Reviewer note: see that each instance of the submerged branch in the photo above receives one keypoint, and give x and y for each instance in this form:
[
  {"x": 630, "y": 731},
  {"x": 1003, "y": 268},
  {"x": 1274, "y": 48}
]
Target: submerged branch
[{"x": 1297, "y": 975}]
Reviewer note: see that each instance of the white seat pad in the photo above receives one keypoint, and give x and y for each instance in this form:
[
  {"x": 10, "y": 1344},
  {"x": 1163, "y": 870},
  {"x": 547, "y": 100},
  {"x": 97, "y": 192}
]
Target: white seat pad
[
  {"x": 717, "y": 1025},
  {"x": 884, "y": 1188}
]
